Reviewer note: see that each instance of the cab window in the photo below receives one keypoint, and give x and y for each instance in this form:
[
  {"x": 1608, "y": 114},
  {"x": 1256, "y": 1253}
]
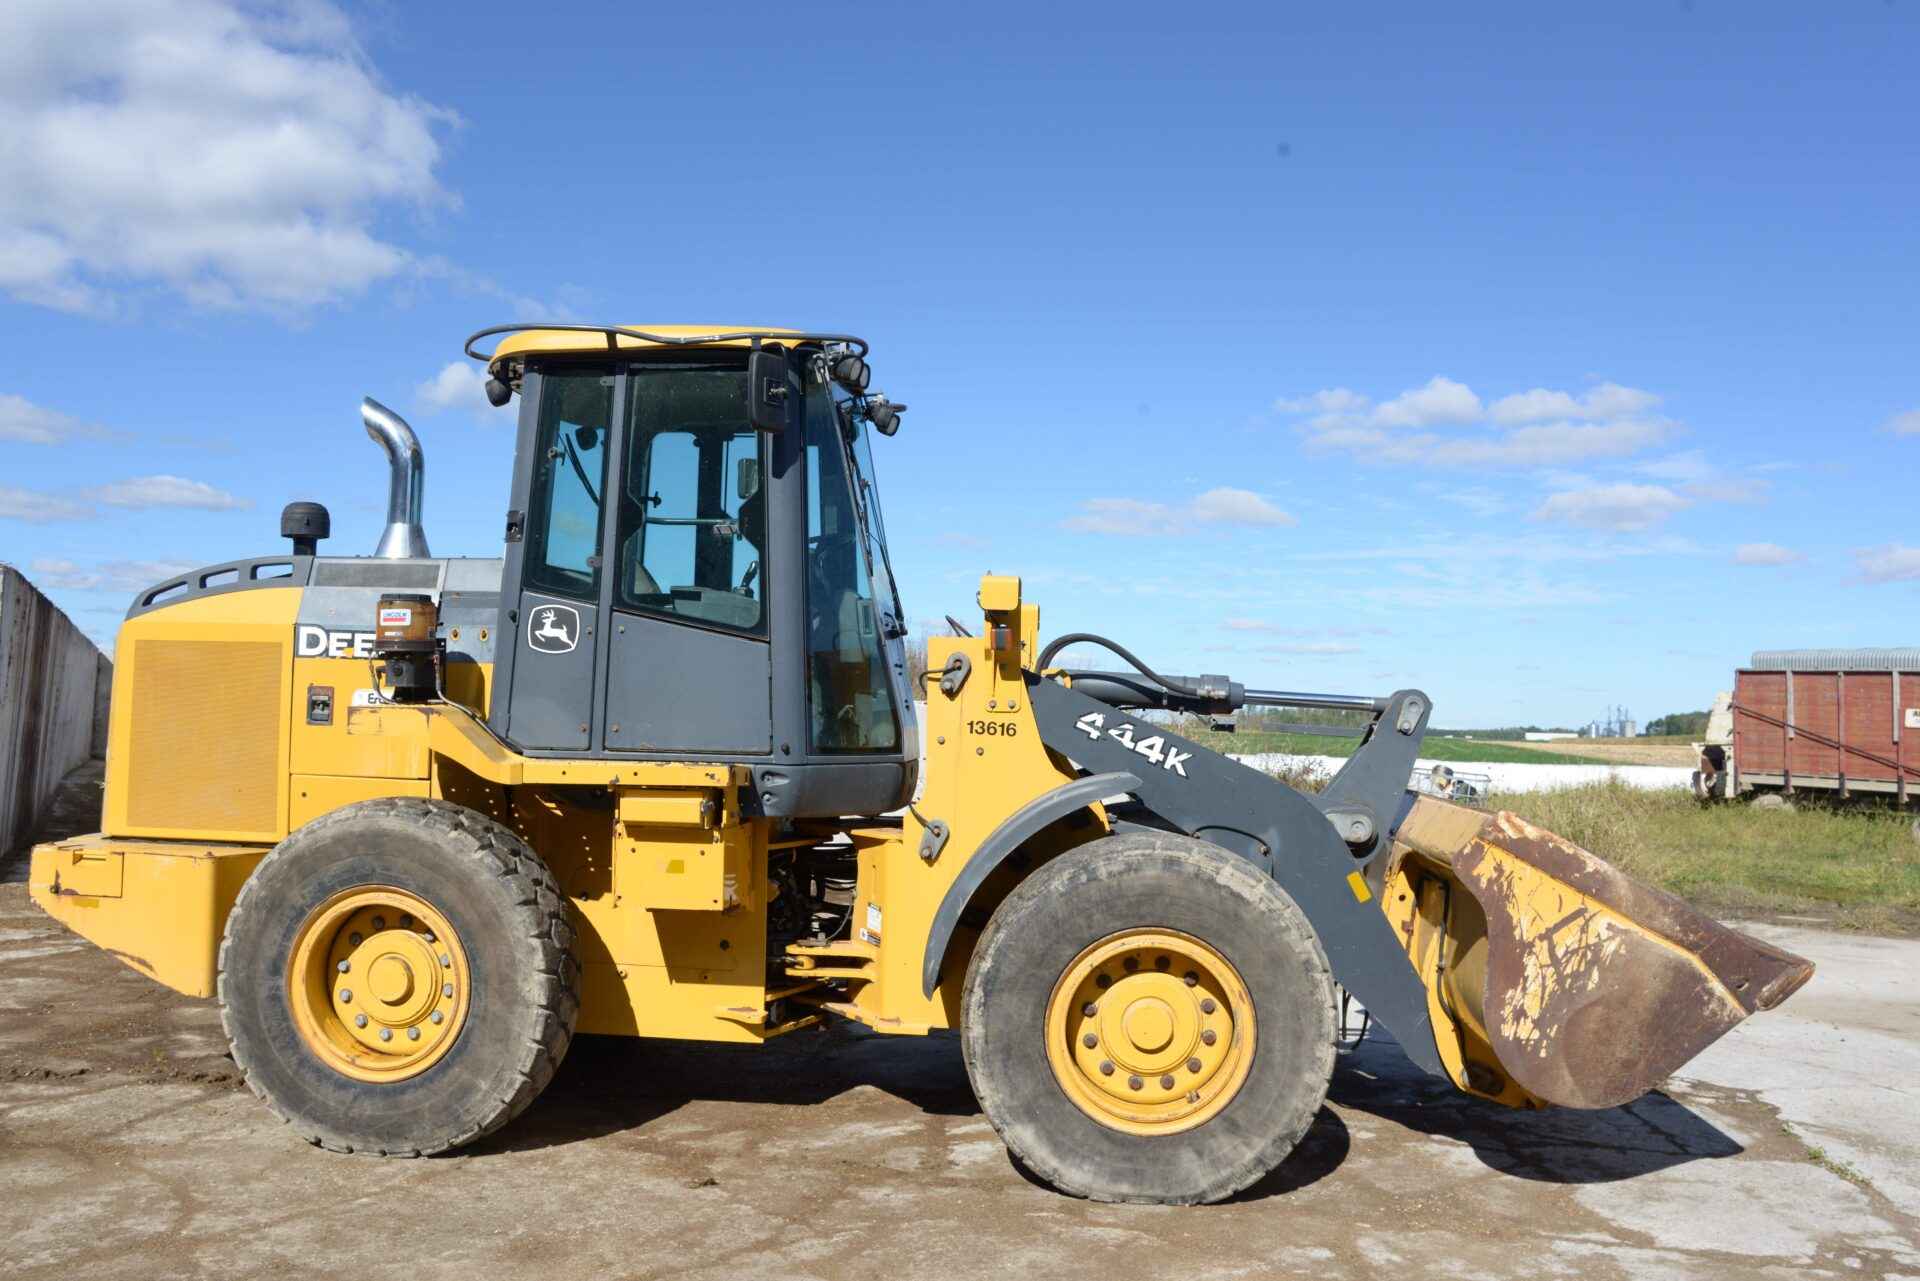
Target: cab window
[
  {"x": 693, "y": 515},
  {"x": 569, "y": 477}
]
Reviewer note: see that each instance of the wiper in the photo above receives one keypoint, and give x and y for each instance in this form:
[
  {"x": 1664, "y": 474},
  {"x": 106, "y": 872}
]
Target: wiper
[
  {"x": 886, "y": 560},
  {"x": 862, "y": 502}
]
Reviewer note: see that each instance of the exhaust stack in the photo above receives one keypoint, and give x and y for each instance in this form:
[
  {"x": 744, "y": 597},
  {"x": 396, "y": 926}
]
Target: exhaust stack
[{"x": 403, "y": 538}]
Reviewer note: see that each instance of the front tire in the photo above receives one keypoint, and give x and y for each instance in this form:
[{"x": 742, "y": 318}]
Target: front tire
[
  {"x": 398, "y": 977},
  {"x": 1149, "y": 1018}
]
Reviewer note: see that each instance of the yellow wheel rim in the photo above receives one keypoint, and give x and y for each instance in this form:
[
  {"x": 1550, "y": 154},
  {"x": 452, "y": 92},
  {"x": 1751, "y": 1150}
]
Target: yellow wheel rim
[
  {"x": 1150, "y": 1032},
  {"x": 378, "y": 983}
]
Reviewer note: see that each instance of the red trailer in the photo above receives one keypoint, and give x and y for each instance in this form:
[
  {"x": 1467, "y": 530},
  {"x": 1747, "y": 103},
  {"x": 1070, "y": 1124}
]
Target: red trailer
[{"x": 1830, "y": 720}]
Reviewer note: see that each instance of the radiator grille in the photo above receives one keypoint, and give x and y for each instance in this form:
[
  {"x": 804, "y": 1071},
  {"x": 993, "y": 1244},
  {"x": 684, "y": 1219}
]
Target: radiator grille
[{"x": 205, "y": 752}]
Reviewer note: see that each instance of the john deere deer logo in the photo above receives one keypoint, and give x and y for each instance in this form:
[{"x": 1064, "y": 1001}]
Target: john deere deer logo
[{"x": 555, "y": 630}]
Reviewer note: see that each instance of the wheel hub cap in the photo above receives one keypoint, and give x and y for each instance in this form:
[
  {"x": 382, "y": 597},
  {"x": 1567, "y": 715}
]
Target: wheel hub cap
[
  {"x": 1150, "y": 1031},
  {"x": 378, "y": 984}
]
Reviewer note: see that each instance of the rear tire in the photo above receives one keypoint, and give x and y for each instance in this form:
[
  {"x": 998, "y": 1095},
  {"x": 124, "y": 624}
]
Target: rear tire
[
  {"x": 1177, "y": 895},
  {"x": 511, "y": 978}
]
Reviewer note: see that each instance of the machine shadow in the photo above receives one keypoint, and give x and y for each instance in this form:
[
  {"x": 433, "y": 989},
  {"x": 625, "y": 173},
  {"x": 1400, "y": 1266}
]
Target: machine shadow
[
  {"x": 614, "y": 1084},
  {"x": 1557, "y": 1145},
  {"x": 609, "y": 1084}
]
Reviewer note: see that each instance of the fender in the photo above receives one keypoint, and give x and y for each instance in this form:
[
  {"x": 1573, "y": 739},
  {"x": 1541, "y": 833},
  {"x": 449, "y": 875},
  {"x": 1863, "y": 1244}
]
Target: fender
[
  {"x": 1281, "y": 831},
  {"x": 1013, "y": 832}
]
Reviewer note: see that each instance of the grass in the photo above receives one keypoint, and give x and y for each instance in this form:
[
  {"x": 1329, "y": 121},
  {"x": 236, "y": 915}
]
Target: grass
[
  {"x": 1436, "y": 747},
  {"x": 1833, "y": 1165},
  {"x": 1854, "y": 865}
]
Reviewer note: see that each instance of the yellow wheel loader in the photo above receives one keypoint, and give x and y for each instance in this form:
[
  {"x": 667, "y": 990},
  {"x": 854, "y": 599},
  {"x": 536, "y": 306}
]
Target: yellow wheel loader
[{"x": 661, "y": 770}]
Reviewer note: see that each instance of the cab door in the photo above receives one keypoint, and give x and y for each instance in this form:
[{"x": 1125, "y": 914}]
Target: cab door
[
  {"x": 550, "y": 704},
  {"x": 689, "y": 666}
]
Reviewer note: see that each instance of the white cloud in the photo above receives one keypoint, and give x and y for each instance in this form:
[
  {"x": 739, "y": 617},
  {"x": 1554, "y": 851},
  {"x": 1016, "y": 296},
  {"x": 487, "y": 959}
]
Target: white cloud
[
  {"x": 1556, "y": 444},
  {"x": 1620, "y": 507},
  {"x": 956, "y": 538},
  {"x": 112, "y": 575},
  {"x": 1134, "y": 517},
  {"x": 1907, "y": 424},
  {"x": 23, "y": 421},
  {"x": 460, "y": 384},
  {"x": 1442, "y": 400},
  {"x": 32, "y": 505},
  {"x": 1765, "y": 554},
  {"x": 1481, "y": 502},
  {"x": 1125, "y": 516},
  {"x": 1311, "y": 648},
  {"x": 1893, "y": 563},
  {"x": 239, "y": 154},
  {"x": 167, "y": 491},
  {"x": 1537, "y": 428},
  {"x": 1229, "y": 506},
  {"x": 1729, "y": 489},
  {"x": 1608, "y": 400},
  {"x": 1548, "y": 445},
  {"x": 1332, "y": 400},
  {"x": 1701, "y": 478}
]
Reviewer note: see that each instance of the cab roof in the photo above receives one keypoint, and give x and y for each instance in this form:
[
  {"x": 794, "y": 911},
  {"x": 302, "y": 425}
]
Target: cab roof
[{"x": 519, "y": 341}]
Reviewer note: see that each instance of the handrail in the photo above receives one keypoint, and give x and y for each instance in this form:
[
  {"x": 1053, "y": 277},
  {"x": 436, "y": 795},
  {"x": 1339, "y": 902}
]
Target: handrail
[{"x": 616, "y": 332}]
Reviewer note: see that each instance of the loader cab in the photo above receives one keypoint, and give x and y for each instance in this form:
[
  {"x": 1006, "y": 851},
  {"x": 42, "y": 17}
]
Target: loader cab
[{"x": 687, "y": 578}]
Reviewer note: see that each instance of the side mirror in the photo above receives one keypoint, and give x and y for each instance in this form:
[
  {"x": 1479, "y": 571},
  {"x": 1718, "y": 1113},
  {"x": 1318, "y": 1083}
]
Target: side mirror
[
  {"x": 746, "y": 478},
  {"x": 772, "y": 394}
]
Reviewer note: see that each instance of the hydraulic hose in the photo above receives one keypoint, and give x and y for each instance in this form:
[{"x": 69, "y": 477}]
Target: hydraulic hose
[{"x": 1059, "y": 643}]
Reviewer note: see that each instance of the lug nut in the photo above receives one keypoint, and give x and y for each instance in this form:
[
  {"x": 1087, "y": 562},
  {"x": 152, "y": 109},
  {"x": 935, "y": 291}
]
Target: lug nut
[
  {"x": 1132, "y": 964},
  {"x": 1089, "y": 1009},
  {"x": 428, "y": 936},
  {"x": 1208, "y": 1037},
  {"x": 1134, "y": 1083},
  {"x": 343, "y": 967},
  {"x": 1206, "y": 1005},
  {"x": 1166, "y": 1083},
  {"x": 355, "y": 938},
  {"x": 413, "y": 1034},
  {"x": 1106, "y": 1067},
  {"x": 1190, "y": 979},
  {"x": 406, "y": 922},
  {"x": 1103, "y": 982},
  {"x": 437, "y": 1016},
  {"x": 1161, "y": 962},
  {"x": 379, "y": 922},
  {"x": 346, "y": 994},
  {"x": 446, "y": 960},
  {"x": 446, "y": 990},
  {"x": 1089, "y": 1040},
  {"x": 1193, "y": 1065},
  {"x": 359, "y": 1020},
  {"x": 386, "y": 1034}
]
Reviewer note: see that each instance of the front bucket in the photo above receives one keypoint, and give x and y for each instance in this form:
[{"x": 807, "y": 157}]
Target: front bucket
[{"x": 1553, "y": 977}]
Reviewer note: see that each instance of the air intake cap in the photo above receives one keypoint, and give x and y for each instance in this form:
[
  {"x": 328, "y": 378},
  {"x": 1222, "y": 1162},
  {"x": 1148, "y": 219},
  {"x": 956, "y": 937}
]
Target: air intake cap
[{"x": 306, "y": 524}]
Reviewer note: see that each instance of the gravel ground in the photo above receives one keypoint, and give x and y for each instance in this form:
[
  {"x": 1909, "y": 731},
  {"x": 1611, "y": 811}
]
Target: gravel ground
[{"x": 128, "y": 1149}]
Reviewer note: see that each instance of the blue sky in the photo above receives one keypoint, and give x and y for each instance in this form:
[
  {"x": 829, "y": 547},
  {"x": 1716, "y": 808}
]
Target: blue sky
[{"x": 1543, "y": 363}]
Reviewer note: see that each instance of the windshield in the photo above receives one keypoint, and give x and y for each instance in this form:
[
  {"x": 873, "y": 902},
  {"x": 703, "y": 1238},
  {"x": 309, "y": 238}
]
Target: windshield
[{"x": 852, "y": 625}]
